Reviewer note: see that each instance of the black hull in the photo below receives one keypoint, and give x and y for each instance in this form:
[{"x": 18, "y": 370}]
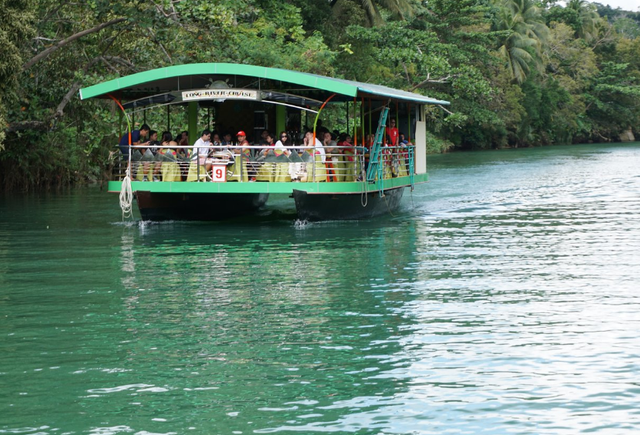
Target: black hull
[
  {"x": 197, "y": 206},
  {"x": 345, "y": 206}
]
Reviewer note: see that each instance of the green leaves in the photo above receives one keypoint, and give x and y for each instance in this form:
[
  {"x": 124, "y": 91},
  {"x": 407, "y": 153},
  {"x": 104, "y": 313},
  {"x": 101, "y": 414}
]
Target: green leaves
[{"x": 517, "y": 72}]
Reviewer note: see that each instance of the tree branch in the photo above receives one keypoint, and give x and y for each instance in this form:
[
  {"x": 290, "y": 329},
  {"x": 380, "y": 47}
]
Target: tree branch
[
  {"x": 428, "y": 80},
  {"x": 76, "y": 86},
  {"x": 38, "y": 57},
  {"x": 443, "y": 108},
  {"x": 155, "y": 39},
  {"x": 119, "y": 60},
  {"x": 60, "y": 109},
  {"x": 406, "y": 73}
]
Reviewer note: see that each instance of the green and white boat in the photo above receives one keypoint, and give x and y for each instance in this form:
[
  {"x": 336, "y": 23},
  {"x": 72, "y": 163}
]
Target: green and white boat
[{"x": 358, "y": 180}]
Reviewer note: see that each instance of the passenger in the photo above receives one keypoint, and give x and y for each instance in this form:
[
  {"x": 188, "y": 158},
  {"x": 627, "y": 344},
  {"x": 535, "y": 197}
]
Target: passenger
[
  {"x": 184, "y": 140},
  {"x": 184, "y": 143},
  {"x": 350, "y": 161},
  {"x": 268, "y": 144},
  {"x": 266, "y": 170},
  {"x": 263, "y": 137},
  {"x": 283, "y": 169},
  {"x": 392, "y": 133},
  {"x": 152, "y": 160},
  {"x": 201, "y": 147},
  {"x": 169, "y": 168},
  {"x": 182, "y": 153},
  {"x": 332, "y": 156},
  {"x": 149, "y": 159},
  {"x": 137, "y": 138},
  {"x": 284, "y": 141},
  {"x": 241, "y": 171},
  {"x": 319, "y": 172},
  {"x": 403, "y": 160},
  {"x": 199, "y": 163},
  {"x": 145, "y": 156},
  {"x": 226, "y": 139},
  {"x": 321, "y": 129},
  {"x": 402, "y": 140},
  {"x": 318, "y": 149}
]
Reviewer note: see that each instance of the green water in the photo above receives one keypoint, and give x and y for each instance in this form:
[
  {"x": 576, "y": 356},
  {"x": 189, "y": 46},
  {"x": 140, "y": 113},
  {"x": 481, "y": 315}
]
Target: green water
[{"x": 504, "y": 297}]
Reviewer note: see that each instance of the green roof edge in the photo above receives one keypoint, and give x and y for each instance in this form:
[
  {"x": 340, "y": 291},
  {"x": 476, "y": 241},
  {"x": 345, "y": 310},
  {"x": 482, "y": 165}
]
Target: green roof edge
[
  {"x": 329, "y": 84},
  {"x": 316, "y": 81}
]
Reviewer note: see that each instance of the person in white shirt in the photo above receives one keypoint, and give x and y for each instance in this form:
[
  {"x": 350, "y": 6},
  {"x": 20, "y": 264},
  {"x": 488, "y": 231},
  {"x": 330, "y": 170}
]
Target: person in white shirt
[
  {"x": 318, "y": 173},
  {"x": 318, "y": 148},
  {"x": 201, "y": 149},
  {"x": 284, "y": 142}
]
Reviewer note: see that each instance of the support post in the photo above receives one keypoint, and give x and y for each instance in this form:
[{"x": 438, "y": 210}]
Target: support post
[
  {"x": 281, "y": 115},
  {"x": 192, "y": 114},
  {"x": 420, "y": 141}
]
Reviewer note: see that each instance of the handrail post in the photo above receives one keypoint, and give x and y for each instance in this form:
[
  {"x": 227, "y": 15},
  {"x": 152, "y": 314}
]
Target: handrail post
[{"x": 313, "y": 167}]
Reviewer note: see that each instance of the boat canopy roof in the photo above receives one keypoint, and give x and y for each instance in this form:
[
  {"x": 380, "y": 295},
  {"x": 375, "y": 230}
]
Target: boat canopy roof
[{"x": 308, "y": 87}]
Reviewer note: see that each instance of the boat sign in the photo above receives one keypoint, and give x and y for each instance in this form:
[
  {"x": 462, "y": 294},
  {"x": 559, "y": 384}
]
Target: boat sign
[
  {"x": 220, "y": 94},
  {"x": 219, "y": 173}
]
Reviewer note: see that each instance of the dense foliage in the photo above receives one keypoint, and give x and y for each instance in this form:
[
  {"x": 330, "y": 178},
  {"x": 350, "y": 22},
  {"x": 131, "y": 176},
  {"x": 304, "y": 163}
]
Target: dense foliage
[{"x": 517, "y": 72}]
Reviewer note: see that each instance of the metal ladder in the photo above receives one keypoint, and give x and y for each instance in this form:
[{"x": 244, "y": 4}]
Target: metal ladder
[{"x": 376, "y": 168}]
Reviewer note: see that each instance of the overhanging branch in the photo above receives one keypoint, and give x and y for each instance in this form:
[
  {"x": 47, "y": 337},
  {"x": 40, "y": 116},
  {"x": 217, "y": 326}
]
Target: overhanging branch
[{"x": 37, "y": 58}]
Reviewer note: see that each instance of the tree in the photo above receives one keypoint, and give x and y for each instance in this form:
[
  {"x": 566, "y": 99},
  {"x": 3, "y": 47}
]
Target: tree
[
  {"x": 524, "y": 34},
  {"x": 581, "y": 15},
  {"x": 16, "y": 27},
  {"x": 613, "y": 100},
  {"x": 588, "y": 17}
]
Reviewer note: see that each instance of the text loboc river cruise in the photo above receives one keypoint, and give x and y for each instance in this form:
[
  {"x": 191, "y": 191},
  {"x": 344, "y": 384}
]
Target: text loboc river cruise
[{"x": 360, "y": 174}]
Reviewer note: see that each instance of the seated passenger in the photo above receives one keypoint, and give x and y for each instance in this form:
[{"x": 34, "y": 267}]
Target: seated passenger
[
  {"x": 318, "y": 171},
  {"x": 137, "y": 137},
  {"x": 146, "y": 168},
  {"x": 284, "y": 141},
  {"x": 263, "y": 137},
  {"x": 170, "y": 169},
  {"x": 199, "y": 164},
  {"x": 240, "y": 170},
  {"x": 266, "y": 169},
  {"x": 226, "y": 139},
  {"x": 153, "y": 150},
  {"x": 352, "y": 163},
  {"x": 332, "y": 157}
]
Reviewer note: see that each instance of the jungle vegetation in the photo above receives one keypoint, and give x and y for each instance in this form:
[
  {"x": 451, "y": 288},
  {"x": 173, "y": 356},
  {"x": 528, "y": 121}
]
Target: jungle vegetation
[{"x": 517, "y": 72}]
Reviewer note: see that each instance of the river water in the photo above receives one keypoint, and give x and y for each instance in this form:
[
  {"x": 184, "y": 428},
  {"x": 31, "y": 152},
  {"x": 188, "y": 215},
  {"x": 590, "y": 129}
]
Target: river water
[{"x": 504, "y": 297}]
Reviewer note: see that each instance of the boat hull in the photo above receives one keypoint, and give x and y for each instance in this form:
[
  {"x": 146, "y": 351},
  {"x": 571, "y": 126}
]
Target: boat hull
[
  {"x": 345, "y": 206},
  {"x": 162, "y": 206}
]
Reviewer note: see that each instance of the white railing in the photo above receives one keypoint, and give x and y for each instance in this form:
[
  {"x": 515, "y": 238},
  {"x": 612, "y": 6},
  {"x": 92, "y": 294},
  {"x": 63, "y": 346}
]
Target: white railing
[{"x": 229, "y": 163}]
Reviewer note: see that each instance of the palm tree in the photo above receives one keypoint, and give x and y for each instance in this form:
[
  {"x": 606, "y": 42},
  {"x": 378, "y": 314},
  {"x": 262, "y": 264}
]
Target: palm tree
[
  {"x": 588, "y": 18},
  {"x": 525, "y": 32}
]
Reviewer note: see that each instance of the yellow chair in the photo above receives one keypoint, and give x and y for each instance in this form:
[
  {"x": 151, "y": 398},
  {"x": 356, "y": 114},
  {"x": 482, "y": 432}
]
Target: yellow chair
[
  {"x": 141, "y": 172},
  {"x": 320, "y": 169},
  {"x": 349, "y": 166},
  {"x": 193, "y": 172},
  {"x": 402, "y": 164},
  {"x": 239, "y": 170}
]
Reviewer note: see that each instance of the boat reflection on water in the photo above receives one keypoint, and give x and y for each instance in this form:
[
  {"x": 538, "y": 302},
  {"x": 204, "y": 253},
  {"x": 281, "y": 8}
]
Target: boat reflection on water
[{"x": 249, "y": 308}]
